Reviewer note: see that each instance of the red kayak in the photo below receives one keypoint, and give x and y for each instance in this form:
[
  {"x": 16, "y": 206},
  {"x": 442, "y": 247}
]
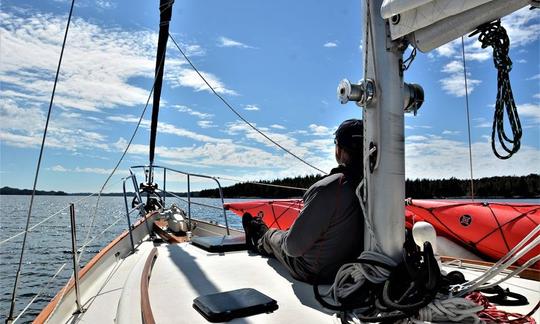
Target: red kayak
[{"x": 487, "y": 229}]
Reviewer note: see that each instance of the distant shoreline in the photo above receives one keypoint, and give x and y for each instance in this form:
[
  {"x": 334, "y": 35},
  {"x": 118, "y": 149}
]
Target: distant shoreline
[{"x": 498, "y": 187}]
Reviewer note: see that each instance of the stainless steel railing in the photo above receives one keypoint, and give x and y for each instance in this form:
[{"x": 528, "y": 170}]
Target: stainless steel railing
[{"x": 188, "y": 175}]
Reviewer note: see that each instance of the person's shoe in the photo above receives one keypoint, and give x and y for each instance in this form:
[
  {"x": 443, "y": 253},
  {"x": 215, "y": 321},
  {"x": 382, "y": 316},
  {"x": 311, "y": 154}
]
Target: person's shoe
[
  {"x": 246, "y": 224},
  {"x": 258, "y": 229}
]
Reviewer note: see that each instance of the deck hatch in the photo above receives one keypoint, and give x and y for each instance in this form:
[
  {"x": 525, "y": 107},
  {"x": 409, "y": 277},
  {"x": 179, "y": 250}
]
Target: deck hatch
[{"x": 225, "y": 306}]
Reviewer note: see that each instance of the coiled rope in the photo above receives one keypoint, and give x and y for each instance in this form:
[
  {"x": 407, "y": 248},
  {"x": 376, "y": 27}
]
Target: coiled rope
[
  {"x": 494, "y": 35},
  {"x": 490, "y": 314}
]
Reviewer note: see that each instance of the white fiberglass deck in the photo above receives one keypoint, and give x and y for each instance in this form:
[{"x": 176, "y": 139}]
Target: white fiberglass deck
[{"x": 183, "y": 272}]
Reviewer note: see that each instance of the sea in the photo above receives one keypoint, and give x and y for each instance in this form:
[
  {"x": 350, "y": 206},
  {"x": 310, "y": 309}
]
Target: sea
[{"x": 48, "y": 246}]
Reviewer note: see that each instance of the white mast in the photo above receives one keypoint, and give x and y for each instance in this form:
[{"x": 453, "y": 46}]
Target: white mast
[
  {"x": 384, "y": 98},
  {"x": 384, "y": 135}
]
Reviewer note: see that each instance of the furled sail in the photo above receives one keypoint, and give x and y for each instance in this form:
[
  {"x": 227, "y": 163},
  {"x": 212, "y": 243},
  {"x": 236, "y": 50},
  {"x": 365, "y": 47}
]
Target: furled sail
[{"x": 431, "y": 23}]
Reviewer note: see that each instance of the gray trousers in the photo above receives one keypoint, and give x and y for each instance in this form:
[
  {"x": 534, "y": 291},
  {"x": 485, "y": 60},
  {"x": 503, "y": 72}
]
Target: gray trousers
[{"x": 272, "y": 242}]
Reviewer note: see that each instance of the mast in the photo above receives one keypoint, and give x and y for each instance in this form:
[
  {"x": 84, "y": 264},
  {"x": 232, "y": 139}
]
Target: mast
[
  {"x": 165, "y": 8},
  {"x": 384, "y": 134}
]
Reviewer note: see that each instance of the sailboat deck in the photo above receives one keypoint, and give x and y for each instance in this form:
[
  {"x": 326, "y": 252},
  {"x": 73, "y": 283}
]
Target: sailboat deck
[{"x": 183, "y": 272}]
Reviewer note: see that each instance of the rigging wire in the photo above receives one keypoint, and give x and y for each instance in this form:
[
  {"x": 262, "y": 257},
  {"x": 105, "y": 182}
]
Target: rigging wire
[
  {"x": 468, "y": 116},
  {"x": 49, "y": 217},
  {"x": 238, "y": 114},
  {"x": 121, "y": 158},
  {"x": 43, "y": 287},
  {"x": 17, "y": 276}
]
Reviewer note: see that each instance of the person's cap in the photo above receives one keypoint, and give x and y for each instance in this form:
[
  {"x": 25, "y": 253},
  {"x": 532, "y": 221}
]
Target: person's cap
[{"x": 350, "y": 135}]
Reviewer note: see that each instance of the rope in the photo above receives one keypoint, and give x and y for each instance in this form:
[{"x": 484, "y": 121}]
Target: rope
[
  {"x": 358, "y": 273},
  {"x": 468, "y": 116},
  {"x": 238, "y": 114},
  {"x": 494, "y": 35},
  {"x": 501, "y": 265},
  {"x": 361, "y": 193},
  {"x": 490, "y": 313},
  {"x": 14, "y": 294},
  {"x": 451, "y": 309}
]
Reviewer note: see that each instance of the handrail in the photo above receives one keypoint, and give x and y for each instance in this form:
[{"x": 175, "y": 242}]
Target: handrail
[
  {"x": 146, "y": 309},
  {"x": 193, "y": 202},
  {"x": 188, "y": 175}
]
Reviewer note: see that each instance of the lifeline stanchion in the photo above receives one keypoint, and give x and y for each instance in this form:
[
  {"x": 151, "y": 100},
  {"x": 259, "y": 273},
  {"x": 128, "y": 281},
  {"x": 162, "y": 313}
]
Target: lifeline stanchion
[{"x": 75, "y": 259}]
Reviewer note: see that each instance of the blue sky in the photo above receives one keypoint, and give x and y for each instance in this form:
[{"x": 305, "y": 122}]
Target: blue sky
[{"x": 276, "y": 62}]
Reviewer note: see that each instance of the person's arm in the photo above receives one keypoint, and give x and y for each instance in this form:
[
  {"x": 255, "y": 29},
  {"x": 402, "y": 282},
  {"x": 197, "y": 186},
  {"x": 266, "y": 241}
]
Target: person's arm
[{"x": 313, "y": 220}]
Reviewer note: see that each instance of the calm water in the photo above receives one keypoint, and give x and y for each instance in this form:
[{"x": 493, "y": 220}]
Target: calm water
[{"x": 49, "y": 245}]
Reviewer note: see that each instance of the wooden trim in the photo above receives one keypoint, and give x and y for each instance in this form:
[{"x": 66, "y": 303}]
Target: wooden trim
[
  {"x": 171, "y": 239},
  {"x": 146, "y": 308},
  {"x": 528, "y": 273},
  {"x": 47, "y": 311}
]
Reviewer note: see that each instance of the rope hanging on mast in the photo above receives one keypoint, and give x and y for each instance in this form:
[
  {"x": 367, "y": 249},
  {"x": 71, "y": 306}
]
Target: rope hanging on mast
[{"x": 494, "y": 35}]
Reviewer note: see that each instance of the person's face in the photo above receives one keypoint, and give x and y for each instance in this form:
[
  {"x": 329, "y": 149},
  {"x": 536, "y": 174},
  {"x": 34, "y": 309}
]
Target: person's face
[{"x": 338, "y": 153}]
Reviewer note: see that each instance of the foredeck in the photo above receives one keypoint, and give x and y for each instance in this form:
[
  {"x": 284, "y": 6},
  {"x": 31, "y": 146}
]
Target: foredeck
[{"x": 183, "y": 272}]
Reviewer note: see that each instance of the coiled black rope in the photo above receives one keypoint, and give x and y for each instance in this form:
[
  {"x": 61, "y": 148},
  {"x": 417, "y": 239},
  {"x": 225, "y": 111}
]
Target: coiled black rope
[{"x": 494, "y": 35}]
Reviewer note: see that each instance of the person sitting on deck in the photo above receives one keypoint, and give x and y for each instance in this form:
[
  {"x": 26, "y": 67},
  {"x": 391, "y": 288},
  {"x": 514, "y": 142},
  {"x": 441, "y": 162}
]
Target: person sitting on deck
[{"x": 329, "y": 229}]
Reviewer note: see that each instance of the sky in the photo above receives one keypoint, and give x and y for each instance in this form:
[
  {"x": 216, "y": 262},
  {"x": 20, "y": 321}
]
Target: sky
[{"x": 277, "y": 62}]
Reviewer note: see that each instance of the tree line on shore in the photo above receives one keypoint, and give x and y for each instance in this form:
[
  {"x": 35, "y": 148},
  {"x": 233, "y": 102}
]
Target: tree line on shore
[{"x": 493, "y": 187}]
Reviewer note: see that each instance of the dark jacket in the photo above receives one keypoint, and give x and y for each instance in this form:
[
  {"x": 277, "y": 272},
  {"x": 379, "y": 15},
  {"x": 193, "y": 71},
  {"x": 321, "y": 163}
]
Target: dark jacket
[{"x": 329, "y": 229}]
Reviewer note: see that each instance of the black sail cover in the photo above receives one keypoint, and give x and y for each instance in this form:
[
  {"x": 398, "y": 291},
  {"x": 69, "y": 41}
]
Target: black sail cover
[{"x": 165, "y": 8}]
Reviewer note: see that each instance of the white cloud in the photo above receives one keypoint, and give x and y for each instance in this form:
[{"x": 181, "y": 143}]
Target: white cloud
[
  {"x": 23, "y": 127},
  {"x": 276, "y": 126},
  {"x": 189, "y": 78},
  {"x": 529, "y": 110},
  {"x": 446, "y": 50},
  {"x": 227, "y": 42},
  {"x": 438, "y": 158},
  {"x": 59, "y": 168},
  {"x": 454, "y": 84},
  {"x": 206, "y": 124},
  {"x": 449, "y": 132},
  {"x": 252, "y": 108},
  {"x": 320, "y": 130},
  {"x": 98, "y": 65},
  {"x": 166, "y": 128},
  {"x": 192, "y": 112},
  {"x": 416, "y": 138},
  {"x": 330, "y": 44},
  {"x": 534, "y": 77},
  {"x": 537, "y": 96},
  {"x": 105, "y": 4},
  {"x": 522, "y": 61}
]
